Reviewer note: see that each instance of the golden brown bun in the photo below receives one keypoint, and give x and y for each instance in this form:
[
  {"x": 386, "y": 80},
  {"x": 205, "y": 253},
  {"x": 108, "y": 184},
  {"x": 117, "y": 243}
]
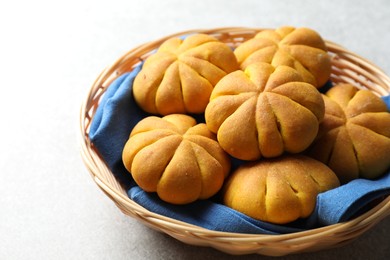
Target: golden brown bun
[
  {"x": 278, "y": 190},
  {"x": 176, "y": 158},
  {"x": 179, "y": 78},
  {"x": 354, "y": 137},
  {"x": 264, "y": 111},
  {"x": 299, "y": 48}
]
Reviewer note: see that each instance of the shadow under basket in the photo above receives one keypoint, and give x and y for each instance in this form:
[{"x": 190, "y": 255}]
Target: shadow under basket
[{"x": 347, "y": 67}]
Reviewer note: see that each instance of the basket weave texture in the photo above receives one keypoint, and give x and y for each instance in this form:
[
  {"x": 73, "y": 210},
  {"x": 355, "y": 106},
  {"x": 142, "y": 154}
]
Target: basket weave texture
[{"x": 347, "y": 67}]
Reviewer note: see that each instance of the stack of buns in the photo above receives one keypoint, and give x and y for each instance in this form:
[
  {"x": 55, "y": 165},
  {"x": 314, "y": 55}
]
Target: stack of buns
[{"x": 262, "y": 105}]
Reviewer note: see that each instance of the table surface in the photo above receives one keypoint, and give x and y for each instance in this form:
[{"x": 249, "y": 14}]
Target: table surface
[{"x": 50, "y": 55}]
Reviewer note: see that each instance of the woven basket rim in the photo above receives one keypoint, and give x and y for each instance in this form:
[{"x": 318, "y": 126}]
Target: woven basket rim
[{"x": 350, "y": 67}]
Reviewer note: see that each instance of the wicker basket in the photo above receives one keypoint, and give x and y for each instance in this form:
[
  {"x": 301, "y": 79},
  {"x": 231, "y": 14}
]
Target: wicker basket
[{"x": 346, "y": 67}]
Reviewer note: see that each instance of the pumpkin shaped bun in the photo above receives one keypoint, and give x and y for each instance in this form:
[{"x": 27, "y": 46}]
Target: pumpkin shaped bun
[
  {"x": 180, "y": 76},
  {"x": 299, "y": 48},
  {"x": 354, "y": 137},
  {"x": 278, "y": 190},
  {"x": 175, "y": 157},
  {"x": 264, "y": 111}
]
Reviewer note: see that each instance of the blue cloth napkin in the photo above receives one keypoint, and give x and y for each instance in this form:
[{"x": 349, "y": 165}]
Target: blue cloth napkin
[
  {"x": 118, "y": 113},
  {"x": 114, "y": 119}
]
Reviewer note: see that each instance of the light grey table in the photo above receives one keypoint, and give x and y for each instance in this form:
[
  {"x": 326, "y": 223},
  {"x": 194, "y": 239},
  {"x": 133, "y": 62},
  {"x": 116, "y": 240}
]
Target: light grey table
[{"x": 51, "y": 53}]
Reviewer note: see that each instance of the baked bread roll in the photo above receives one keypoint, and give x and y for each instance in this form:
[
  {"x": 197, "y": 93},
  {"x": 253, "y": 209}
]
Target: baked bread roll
[
  {"x": 180, "y": 76},
  {"x": 300, "y": 48},
  {"x": 354, "y": 137},
  {"x": 264, "y": 111},
  {"x": 175, "y": 157},
  {"x": 278, "y": 190}
]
